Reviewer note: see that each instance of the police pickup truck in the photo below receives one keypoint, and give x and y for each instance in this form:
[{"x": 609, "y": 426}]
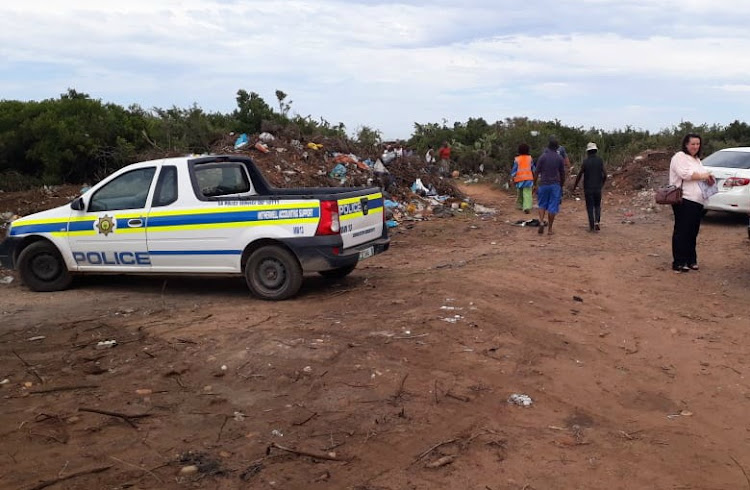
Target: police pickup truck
[{"x": 199, "y": 215}]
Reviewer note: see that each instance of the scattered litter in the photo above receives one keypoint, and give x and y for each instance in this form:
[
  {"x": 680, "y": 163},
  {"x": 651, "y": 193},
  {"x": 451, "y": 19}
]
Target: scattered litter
[
  {"x": 526, "y": 222},
  {"x": 106, "y": 344},
  {"x": 38, "y": 337},
  {"x": 277, "y": 433},
  {"x": 683, "y": 413},
  {"x": 451, "y": 308},
  {"x": 307, "y": 369},
  {"x": 261, "y": 147},
  {"x": 479, "y": 209},
  {"x": 453, "y": 319},
  {"x": 189, "y": 470},
  {"x": 239, "y": 416},
  {"x": 266, "y": 137},
  {"x": 391, "y": 223},
  {"x": 445, "y": 460},
  {"x": 4, "y": 382},
  {"x": 520, "y": 400},
  {"x": 143, "y": 391},
  {"x": 6, "y": 280}
]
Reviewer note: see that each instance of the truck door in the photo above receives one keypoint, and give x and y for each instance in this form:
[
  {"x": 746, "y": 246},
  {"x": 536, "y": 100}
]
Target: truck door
[
  {"x": 110, "y": 233},
  {"x": 361, "y": 219}
]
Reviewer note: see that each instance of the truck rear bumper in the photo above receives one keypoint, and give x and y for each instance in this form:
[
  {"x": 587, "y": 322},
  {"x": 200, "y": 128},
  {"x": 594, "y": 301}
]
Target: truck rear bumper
[
  {"x": 7, "y": 252},
  {"x": 326, "y": 253}
]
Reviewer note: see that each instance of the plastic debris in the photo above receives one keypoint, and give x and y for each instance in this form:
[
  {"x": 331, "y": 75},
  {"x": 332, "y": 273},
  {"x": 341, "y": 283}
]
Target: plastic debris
[
  {"x": 277, "y": 433},
  {"x": 106, "y": 344},
  {"x": 266, "y": 137},
  {"x": 6, "y": 280},
  {"x": 261, "y": 147},
  {"x": 391, "y": 223},
  {"x": 241, "y": 141},
  {"x": 338, "y": 172},
  {"x": 520, "y": 400}
]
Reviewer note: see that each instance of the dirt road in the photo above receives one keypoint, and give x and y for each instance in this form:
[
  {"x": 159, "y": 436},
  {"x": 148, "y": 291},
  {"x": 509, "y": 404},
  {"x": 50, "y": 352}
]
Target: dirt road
[{"x": 398, "y": 376}]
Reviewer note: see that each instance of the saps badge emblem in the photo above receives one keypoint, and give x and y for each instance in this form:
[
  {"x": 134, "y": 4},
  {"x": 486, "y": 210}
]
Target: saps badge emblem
[{"x": 106, "y": 225}]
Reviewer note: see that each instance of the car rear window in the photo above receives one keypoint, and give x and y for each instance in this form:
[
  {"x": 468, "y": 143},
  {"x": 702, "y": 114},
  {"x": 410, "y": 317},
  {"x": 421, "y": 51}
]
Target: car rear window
[{"x": 728, "y": 159}]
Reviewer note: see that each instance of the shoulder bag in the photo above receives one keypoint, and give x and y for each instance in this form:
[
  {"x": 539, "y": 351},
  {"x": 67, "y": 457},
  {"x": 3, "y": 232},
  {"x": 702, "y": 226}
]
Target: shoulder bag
[{"x": 669, "y": 194}]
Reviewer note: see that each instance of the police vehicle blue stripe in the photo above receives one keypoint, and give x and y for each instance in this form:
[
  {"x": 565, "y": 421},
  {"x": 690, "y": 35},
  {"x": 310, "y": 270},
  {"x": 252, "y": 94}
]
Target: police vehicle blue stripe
[
  {"x": 199, "y": 219},
  {"x": 40, "y": 228},
  {"x": 375, "y": 203},
  {"x": 195, "y": 252},
  {"x": 81, "y": 225}
]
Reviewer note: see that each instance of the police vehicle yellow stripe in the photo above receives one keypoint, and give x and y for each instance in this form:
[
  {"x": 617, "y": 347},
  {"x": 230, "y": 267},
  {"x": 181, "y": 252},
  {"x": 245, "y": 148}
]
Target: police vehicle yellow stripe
[
  {"x": 351, "y": 200},
  {"x": 238, "y": 224},
  {"x": 233, "y": 209}
]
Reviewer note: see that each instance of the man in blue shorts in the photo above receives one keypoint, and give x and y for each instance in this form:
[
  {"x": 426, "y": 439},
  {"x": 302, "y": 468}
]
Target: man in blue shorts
[{"x": 550, "y": 174}]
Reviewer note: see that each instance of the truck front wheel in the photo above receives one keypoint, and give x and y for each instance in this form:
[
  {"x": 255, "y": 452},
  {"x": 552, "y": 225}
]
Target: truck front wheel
[
  {"x": 42, "y": 268},
  {"x": 273, "y": 273}
]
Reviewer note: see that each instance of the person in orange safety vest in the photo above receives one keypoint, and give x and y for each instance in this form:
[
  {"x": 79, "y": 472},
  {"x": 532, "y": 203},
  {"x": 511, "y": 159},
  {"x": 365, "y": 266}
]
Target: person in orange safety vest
[{"x": 522, "y": 174}]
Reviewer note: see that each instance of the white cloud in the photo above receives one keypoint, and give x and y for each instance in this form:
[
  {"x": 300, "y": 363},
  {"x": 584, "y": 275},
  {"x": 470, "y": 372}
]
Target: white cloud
[
  {"x": 742, "y": 88},
  {"x": 386, "y": 64}
]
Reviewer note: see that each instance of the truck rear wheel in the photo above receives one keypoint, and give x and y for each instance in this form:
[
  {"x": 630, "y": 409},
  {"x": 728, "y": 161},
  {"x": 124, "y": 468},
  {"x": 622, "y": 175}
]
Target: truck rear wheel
[
  {"x": 338, "y": 273},
  {"x": 273, "y": 273},
  {"x": 42, "y": 268}
]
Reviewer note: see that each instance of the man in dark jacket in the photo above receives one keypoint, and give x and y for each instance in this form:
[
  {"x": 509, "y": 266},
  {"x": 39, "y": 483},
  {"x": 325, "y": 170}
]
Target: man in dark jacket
[
  {"x": 550, "y": 175},
  {"x": 594, "y": 175}
]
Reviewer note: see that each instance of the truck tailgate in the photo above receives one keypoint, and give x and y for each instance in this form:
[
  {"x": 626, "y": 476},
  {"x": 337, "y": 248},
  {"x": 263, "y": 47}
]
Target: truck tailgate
[{"x": 361, "y": 218}]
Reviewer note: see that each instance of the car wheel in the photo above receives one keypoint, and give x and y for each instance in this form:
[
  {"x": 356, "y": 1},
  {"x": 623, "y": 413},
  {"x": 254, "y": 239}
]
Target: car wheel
[
  {"x": 338, "y": 273},
  {"x": 42, "y": 268},
  {"x": 273, "y": 273}
]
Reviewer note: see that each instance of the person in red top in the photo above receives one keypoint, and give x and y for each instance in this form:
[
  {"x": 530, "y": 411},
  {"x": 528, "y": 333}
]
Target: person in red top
[{"x": 445, "y": 157}]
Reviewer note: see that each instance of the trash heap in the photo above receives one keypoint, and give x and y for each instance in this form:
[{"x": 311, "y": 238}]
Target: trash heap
[
  {"x": 413, "y": 191},
  {"x": 634, "y": 183}
]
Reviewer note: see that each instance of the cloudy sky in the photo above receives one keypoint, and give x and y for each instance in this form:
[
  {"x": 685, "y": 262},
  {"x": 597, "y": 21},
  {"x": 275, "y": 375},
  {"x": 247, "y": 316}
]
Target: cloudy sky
[{"x": 645, "y": 63}]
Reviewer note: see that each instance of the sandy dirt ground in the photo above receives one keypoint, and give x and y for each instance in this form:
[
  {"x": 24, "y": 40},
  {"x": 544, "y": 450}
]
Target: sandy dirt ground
[{"x": 399, "y": 376}]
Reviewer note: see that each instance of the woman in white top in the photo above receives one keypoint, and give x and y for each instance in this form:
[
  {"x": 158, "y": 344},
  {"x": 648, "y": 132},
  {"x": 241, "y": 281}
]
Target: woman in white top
[{"x": 686, "y": 171}]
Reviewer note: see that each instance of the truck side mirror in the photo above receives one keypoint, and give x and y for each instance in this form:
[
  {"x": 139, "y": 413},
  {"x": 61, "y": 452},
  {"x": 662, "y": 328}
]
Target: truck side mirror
[{"x": 77, "y": 204}]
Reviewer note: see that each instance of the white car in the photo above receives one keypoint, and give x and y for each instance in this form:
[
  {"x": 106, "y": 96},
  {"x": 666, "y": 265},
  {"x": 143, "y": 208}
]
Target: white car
[{"x": 731, "y": 168}]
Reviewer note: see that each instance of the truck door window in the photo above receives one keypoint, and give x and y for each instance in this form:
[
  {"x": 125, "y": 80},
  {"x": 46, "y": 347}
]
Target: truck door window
[
  {"x": 128, "y": 191},
  {"x": 166, "y": 187},
  {"x": 223, "y": 179}
]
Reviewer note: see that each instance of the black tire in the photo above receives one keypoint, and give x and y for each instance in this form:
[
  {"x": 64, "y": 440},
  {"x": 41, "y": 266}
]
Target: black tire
[
  {"x": 338, "y": 273},
  {"x": 42, "y": 268},
  {"x": 273, "y": 273}
]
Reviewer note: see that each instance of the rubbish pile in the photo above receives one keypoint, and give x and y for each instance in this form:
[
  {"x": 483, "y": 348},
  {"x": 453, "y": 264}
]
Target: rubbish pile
[
  {"x": 647, "y": 170},
  {"x": 414, "y": 192}
]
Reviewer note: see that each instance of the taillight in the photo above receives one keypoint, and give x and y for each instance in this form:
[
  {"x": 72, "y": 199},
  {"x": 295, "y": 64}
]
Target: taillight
[
  {"x": 736, "y": 182},
  {"x": 329, "y": 218}
]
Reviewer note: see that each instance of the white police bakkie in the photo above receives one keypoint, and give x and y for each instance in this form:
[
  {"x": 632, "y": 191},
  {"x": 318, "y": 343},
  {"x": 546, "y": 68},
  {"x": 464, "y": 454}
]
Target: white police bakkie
[{"x": 199, "y": 215}]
